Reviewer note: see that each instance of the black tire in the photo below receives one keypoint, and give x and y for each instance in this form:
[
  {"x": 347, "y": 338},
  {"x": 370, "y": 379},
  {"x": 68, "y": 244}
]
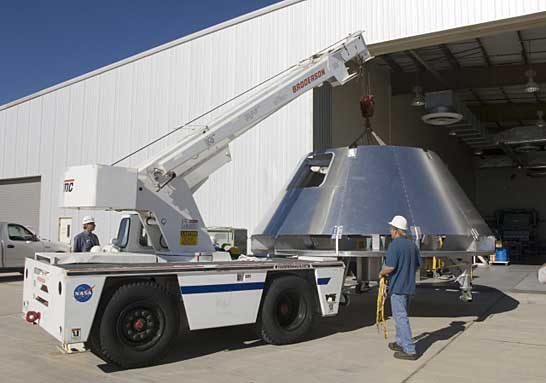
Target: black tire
[
  {"x": 137, "y": 325},
  {"x": 287, "y": 312},
  {"x": 93, "y": 343}
]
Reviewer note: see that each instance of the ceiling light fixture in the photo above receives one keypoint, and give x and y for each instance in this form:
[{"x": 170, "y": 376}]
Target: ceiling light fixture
[
  {"x": 452, "y": 133},
  {"x": 419, "y": 99},
  {"x": 540, "y": 121},
  {"x": 531, "y": 86}
]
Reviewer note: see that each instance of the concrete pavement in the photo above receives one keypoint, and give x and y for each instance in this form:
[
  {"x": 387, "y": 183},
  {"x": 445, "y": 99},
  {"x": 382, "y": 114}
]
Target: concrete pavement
[{"x": 501, "y": 336}]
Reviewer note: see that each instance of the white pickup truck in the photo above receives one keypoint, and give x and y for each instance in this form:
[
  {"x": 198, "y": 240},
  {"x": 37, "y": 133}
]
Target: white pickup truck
[{"x": 17, "y": 242}]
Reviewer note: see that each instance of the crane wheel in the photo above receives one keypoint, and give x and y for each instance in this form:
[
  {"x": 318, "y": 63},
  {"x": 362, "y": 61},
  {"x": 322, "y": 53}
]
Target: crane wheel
[
  {"x": 287, "y": 312},
  {"x": 137, "y": 325}
]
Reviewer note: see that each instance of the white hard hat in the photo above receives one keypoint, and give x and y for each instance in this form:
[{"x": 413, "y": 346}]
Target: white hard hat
[
  {"x": 95, "y": 249},
  {"x": 399, "y": 222},
  {"x": 88, "y": 219}
]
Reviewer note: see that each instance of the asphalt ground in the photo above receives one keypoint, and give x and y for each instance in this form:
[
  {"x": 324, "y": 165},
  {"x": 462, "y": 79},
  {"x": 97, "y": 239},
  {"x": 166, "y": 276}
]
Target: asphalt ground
[{"x": 500, "y": 336}]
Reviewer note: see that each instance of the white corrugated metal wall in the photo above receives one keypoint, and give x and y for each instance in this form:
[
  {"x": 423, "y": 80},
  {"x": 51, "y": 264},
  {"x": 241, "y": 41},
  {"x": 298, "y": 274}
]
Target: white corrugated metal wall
[{"x": 107, "y": 115}]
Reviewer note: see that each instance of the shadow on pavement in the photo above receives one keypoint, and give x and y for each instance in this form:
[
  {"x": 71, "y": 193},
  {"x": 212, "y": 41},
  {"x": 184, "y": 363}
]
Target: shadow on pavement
[
  {"x": 10, "y": 277},
  {"x": 443, "y": 301},
  {"x": 194, "y": 344},
  {"x": 430, "y": 301},
  {"x": 425, "y": 340}
]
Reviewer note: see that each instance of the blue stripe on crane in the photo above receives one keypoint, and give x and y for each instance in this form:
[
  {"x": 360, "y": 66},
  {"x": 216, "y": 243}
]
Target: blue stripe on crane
[{"x": 203, "y": 289}]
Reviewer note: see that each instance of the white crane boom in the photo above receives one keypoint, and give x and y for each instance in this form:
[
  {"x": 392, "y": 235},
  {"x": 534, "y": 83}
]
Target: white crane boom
[
  {"x": 187, "y": 156},
  {"x": 161, "y": 190}
]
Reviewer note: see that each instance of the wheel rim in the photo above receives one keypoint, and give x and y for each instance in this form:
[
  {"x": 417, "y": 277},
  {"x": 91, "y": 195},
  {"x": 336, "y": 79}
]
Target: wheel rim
[
  {"x": 140, "y": 326},
  {"x": 291, "y": 310}
]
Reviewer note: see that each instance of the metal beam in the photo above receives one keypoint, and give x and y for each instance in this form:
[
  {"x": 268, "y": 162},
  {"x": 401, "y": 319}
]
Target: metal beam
[
  {"x": 427, "y": 67},
  {"x": 475, "y": 140},
  {"x": 498, "y": 161},
  {"x": 522, "y": 135},
  {"x": 524, "y": 54},
  {"x": 469, "y": 135},
  {"x": 518, "y": 161},
  {"x": 450, "y": 56},
  {"x": 508, "y": 100},
  {"x": 418, "y": 65},
  {"x": 506, "y": 111},
  {"x": 526, "y": 58},
  {"x": 476, "y": 96},
  {"x": 534, "y": 160},
  {"x": 457, "y": 128},
  {"x": 484, "y": 52},
  {"x": 393, "y": 65},
  {"x": 467, "y": 77}
]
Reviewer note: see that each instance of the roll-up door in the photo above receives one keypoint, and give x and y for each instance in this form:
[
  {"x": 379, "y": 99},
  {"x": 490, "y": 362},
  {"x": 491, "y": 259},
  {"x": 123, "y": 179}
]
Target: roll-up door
[{"x": 20, "y": 201}]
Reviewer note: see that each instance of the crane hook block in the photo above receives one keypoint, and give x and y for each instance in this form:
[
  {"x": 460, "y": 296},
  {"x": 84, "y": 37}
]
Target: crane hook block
[{"x": 367, "y": 104}]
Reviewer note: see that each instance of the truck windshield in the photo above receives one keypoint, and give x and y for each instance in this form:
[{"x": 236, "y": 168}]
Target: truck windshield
[{"x": 123, "y": 232}]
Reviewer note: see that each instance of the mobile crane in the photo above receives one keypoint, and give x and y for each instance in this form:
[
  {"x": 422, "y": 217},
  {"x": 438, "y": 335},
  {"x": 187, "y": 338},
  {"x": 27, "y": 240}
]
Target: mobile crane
[{"x": 128, "y": 307}]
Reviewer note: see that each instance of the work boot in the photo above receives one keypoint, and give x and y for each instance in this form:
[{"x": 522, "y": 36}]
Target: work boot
[
  {"x": 395, "y": 347},
  {"x": 405, "y": 356}
]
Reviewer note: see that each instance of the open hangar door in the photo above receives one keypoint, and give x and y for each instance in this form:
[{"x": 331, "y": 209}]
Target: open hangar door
[
  {"x": 20, "y": 201},
  {"x": 478, "y": 102}
]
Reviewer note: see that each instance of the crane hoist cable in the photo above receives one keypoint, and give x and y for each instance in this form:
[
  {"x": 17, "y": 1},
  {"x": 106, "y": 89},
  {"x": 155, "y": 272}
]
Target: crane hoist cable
[
  {"x": 170, "y": 132},
  {"x": 380, "y": 312},
  {"x": 367, "y": 109}
]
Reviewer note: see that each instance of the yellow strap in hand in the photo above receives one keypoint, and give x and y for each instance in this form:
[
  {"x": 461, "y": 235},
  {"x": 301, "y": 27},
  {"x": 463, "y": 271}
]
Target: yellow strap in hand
[{"x": 380, "y": 313}]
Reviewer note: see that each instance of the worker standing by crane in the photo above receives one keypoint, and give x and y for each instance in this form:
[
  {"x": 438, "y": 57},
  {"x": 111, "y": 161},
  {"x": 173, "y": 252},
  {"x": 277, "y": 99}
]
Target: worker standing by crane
[
  {"x": 401, "y": 263},
  {"x": 85, "y": 241}
]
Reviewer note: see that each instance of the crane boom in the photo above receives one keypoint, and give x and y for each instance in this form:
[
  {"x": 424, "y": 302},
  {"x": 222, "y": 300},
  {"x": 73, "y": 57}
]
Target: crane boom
[
  {"x": 187, "y": 156},
  {"x": 161, "y": 190}
]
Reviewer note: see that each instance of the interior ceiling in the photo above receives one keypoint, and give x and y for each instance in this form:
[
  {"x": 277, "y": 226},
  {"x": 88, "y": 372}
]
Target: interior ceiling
[{"x": 487, "y": 74}]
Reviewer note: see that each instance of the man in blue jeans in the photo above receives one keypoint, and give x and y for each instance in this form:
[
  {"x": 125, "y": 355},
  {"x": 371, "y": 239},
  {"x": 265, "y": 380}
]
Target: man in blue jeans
[{"x": 402, "y": 262}]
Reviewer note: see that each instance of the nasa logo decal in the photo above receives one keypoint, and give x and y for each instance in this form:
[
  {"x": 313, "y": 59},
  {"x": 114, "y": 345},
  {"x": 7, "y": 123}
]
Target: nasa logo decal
[{"x": 83, "y": 292}]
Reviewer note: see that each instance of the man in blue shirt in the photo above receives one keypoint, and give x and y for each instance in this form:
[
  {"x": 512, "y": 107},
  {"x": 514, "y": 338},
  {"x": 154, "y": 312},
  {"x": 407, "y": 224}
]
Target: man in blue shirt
[
  {"x": 85, "y": 241},
  {"x": 402, "y": 262}
]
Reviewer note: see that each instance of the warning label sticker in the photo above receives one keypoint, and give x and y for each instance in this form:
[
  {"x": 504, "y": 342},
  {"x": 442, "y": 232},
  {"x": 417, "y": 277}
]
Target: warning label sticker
[{"x": 188, "y": 238}]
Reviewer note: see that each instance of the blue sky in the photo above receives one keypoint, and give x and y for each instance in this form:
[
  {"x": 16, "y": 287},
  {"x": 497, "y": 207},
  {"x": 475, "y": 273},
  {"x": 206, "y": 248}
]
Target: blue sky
[{"x": 45, "y": 42}]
